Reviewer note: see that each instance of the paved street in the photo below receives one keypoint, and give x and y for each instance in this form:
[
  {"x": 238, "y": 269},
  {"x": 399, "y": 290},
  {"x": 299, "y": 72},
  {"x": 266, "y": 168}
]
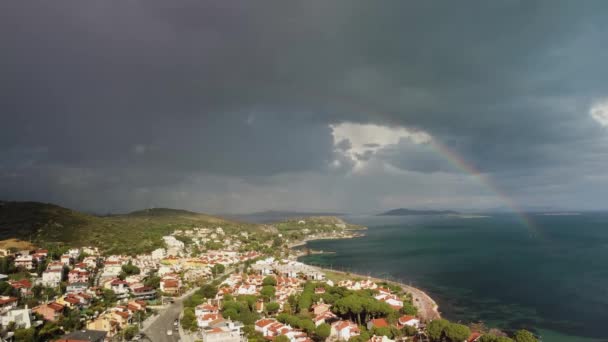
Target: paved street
[{"x": 157, "y": 331}]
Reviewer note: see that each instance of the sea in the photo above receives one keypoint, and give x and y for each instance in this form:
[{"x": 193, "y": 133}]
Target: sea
[{"x": 548, "y": 274}]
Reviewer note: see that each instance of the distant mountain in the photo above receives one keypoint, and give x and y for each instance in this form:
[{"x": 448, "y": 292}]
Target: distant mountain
[
  {"x": 406, "y": 212},
  {"x": 136, "y": 232},
  {"x": 271, "y": 216}
]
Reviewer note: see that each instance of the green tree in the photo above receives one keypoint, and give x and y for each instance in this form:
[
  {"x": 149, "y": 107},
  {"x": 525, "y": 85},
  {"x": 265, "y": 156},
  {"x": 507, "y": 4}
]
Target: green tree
[
  {"x": 152, "y": 281},
  {"x": 382, "y": 331},
  {"x": 272, "y": 307},
  {"x": 130, "y": 269},
  {"x": 129, "y": 332},
  {"x": 208, "y": 291},
  {"x": 281, "y": 338},
  {"x": 524, "y": 336},
  {"x": 188, "y": 320},
  {"x": 457, "y": 332},
  {"x": 494, "y": 338},
  {"x": 269, "y": 280},
  {"x": 49, "y": 331},
  {"x": 217, "y": 269},
  {"x": 435, "y": 329},
  {"x": 268, "y": 292},
  {"x": 25, "y": 335},
  {"x": 408, "y": 330},
  {"x": 323, "y": 331}
]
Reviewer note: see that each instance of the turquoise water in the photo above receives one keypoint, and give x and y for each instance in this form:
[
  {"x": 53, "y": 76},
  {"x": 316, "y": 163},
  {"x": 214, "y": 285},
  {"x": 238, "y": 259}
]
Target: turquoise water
[{"x": 551, "y": 278}]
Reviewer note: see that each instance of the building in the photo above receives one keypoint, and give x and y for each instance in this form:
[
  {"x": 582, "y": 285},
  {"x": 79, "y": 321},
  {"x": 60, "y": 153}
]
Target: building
[
  {"x": 84, "y": 336},
  {"x": 344, "y": 330},
  {"x": 78, "y": 276},
  {"x": 25, "y": 261},
  {"x": 50, "y": 312},
  {"x": 22, "y": 318},
  {"x": 66, "y": 259},
  {"x": 52, "y": 278},
  {"x": 7, "y": 303},
  {"x": 377, "y": 323},
  {"x": 77, "y": 287},
  {"x": 143, "y": 292},
  {"x": 412, "y": 321},
  {"x": 222, "y": 330}
]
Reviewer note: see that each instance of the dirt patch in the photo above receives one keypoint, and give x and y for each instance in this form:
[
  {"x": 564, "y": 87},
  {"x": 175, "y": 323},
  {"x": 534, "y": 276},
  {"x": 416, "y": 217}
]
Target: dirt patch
[{"x": 16, "y": 243}]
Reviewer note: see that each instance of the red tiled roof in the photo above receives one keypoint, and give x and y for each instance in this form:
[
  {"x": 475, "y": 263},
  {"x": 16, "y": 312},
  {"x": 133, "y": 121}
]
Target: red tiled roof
[
  {"x": 264, "y": 322},
  {"x": 379, "y": 322},
  {"x": 7, "y": 300},
  {"x": 474, "y": 336}
]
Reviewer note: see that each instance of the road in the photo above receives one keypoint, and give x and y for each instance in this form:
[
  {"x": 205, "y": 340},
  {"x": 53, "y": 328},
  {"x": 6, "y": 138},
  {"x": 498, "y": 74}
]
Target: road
[{"x": 157, "y": 331}]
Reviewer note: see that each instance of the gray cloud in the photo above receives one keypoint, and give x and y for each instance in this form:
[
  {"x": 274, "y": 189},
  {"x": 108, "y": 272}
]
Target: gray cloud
[{"x": 136, "y": 100}]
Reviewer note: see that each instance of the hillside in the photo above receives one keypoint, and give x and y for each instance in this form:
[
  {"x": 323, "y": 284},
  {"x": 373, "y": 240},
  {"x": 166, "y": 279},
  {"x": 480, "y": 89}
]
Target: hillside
[
  {"x": 136, "y": 232},
  {"x": 405, "y": 212}
]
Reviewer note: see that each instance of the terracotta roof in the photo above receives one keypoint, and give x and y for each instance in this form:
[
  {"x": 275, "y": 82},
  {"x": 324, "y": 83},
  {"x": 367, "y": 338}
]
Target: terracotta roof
[
  {"x": 379, "y": 322},
  {"x": 264, "y": 322},
  {"x": 474, "y": 336},
  {"x": 7, "y": 300}
]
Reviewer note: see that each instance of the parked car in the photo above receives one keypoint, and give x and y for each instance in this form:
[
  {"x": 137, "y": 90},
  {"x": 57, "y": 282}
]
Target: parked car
[{"x": 169, "y": 332}]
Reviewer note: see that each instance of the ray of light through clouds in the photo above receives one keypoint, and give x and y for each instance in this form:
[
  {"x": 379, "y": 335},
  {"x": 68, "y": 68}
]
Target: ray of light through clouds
[
  {"x": 306, "y": 105},
  {"x": 599, "y": 112}
]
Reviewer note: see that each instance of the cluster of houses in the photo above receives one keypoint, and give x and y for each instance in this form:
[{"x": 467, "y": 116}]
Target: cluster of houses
[
  {"x": 82, "y": 274},
  {"x": 290, "y": 277}
]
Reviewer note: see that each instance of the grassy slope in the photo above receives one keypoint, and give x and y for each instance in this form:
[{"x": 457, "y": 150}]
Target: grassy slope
[{"x": 136, "y": 232}]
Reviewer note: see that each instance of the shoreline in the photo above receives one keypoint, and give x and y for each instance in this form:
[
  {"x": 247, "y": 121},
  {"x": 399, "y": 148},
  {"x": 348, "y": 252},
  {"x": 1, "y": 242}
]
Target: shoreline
[{"x": 428, "y": 309}]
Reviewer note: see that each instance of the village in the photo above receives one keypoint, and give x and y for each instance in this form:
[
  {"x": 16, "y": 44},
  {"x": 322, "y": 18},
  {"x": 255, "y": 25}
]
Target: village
[{"x": 207, "y": 285}]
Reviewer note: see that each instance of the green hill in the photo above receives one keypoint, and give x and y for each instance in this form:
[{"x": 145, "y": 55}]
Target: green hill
[{"x": 136, "y": 232}]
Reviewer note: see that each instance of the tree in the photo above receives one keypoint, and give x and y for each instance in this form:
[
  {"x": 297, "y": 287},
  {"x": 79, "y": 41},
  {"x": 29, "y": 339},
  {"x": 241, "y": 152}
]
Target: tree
[
  {"x": 272, "y": 307},
  {"x": 188, "y": 320},
  {"x": 130, "y": 269},
  {"x": 208, "y": 291},
  {"x": 382, "y": 331},
  {"x": 323, "y": 331},
  {"x": 269, "y": 280},
  {"x": 494, "y": 338},
  {"x": 435, "y": 329},
  {"x": 129, "y": 332},
  {"x": 25, "y": 335},
  {"x": 524, "y": 336},
  {"x": 409, "y": 330},
  {"x": 457, "y": 332},
  {"x": 281, "y": 338},
  {"x": 152, "y": 281},
  {"x": 267, "y": 292},
  {"x": 49, "y": 331},
  {"x": 109, "y": 297},
  {"x": 217, "y": 269}
]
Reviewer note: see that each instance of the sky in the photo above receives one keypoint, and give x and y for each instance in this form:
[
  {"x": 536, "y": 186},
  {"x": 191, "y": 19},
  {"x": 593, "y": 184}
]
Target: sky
[{"x": 351, "y": 106}]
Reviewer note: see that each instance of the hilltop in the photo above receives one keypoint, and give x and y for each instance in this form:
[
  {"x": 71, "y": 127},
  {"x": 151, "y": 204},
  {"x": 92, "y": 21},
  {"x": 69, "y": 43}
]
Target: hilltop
[
  {"x": 405, "y": 212},
  {"x": 136, "y": 232}
]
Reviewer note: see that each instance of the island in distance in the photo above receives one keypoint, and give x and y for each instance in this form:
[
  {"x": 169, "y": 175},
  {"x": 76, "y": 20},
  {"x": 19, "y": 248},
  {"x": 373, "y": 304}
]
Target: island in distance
[{"x": 406, "y": 212}]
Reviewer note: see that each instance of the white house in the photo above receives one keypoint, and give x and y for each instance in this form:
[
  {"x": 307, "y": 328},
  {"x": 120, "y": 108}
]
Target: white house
[
  {"x": 23, "y": 318},
  {"x": 344, "y": 330},
  {"x": 51, "y": 278},
  {"x": 412, "y": 321}
]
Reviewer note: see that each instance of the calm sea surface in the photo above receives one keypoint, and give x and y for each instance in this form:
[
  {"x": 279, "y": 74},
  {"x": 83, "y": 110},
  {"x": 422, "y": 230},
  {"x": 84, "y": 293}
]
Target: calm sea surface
[{"x": 551, "y": 278}]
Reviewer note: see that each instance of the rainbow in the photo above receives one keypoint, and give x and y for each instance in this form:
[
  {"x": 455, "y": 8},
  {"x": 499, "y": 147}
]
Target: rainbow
[
  {"x": 461, "y": 163},
  {"x": 456, "y": 160}
]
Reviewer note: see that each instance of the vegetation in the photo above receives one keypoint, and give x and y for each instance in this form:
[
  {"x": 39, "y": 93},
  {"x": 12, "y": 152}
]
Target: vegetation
[{"x": 134, "y": 233}]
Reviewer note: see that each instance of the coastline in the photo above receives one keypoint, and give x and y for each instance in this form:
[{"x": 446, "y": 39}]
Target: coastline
[{"x": 428, "y": 309}]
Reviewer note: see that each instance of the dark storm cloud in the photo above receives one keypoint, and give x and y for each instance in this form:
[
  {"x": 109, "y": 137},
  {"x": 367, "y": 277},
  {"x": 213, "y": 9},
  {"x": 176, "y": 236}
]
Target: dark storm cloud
[{"x": 152, "y": 93}]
